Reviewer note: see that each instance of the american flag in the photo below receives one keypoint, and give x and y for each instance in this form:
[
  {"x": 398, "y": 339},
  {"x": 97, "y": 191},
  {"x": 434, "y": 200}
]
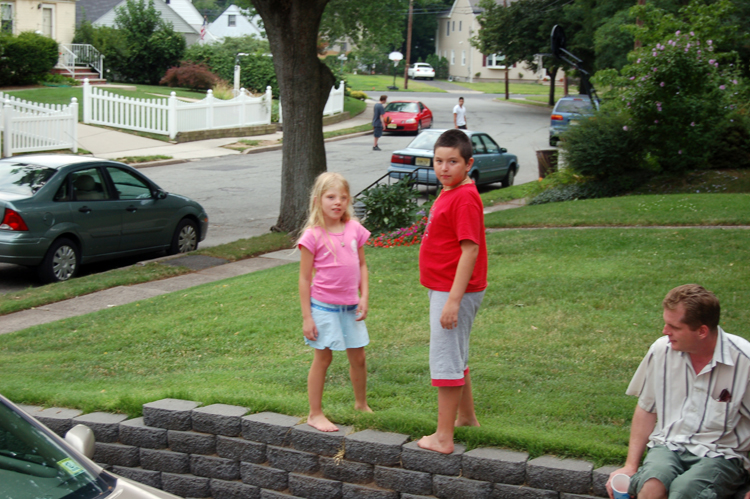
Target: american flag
[{"x": 203, "y": 27}]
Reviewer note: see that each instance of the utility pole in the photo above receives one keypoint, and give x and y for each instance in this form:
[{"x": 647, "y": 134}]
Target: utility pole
[
  {"x": 408, "y": 46},
  {"x": 507, "y": 83}
]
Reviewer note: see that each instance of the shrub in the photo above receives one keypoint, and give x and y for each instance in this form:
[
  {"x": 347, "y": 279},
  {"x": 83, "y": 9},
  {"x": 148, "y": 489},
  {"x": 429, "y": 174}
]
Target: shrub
[
  {"x": 26, "y": 58},
  {"x": 389, "y": 207},
  {"x": 223, "y": 90},
  {"x": 357, "y": 94},
  {"x": 440, "y": 65},
  {"x": 190, "y": 75}
]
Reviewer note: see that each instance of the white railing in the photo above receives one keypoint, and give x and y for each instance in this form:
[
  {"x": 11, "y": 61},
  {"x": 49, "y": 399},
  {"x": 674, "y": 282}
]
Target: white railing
[
  {"x": 170, "y": 116},
  {"x": 30, "y": 126},
  {"x": 67, "y": 60},
  {"x": 334, "y": 104},
  {"x": 87, "y": 54}
]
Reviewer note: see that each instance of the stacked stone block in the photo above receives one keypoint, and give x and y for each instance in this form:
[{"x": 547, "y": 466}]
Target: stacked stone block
[{"x": 220, "y": 452}]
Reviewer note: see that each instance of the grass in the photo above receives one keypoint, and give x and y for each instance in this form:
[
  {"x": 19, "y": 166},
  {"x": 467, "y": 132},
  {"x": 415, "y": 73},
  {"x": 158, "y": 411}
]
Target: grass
[
  {"x": 354, "y": 106},
  {"x": 346, "y": 131},
  {"x": 515, "y": 88},
  {"x": 142, "y": 159},
  {"x": 565, "y": 322},
  {"x": 51, "y": 293},
  {"x": 380, "y": 84}
]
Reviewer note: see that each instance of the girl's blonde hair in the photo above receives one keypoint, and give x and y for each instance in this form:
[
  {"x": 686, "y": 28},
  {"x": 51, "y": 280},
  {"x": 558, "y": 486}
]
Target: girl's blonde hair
[{"x": 324, "y": 182}]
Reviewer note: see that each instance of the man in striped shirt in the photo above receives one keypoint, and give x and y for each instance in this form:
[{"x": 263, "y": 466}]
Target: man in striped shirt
[{"x": 693, "y": 410}]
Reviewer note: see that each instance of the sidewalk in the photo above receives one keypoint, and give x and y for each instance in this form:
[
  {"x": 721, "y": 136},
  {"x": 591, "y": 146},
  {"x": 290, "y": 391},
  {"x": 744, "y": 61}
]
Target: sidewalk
[
  {"x": 111, "y": 144},
  {"x": 207, "y": 269}
]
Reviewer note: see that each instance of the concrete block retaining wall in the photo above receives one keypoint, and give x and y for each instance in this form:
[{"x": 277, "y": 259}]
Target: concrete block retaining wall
[{"x": 220, "y": 452}]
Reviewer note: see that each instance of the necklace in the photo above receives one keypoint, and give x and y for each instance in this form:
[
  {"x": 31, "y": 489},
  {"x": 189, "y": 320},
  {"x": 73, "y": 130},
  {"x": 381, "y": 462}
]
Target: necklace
[{"x": 342, "y": 239}]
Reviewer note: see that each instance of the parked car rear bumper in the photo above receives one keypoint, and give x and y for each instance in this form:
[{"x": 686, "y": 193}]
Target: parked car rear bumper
[{"x": 19, "y": 249}]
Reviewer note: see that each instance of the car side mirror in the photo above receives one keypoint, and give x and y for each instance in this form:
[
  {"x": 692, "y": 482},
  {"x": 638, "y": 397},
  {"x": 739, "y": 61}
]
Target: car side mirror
[
  {"x": 502, "y": 149},
  {"x": 81, "y": 438},
  {"x": 160, "y": 194}
]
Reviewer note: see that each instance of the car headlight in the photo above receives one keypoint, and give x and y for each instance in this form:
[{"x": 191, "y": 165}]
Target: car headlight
[{"x": 410, "y": 121}]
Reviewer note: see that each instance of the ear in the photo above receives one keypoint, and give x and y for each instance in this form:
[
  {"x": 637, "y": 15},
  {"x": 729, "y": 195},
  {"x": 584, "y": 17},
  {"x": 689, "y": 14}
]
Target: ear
[
  {"x": 704, "y": 331},
  {"x": 469, "y": 163}
]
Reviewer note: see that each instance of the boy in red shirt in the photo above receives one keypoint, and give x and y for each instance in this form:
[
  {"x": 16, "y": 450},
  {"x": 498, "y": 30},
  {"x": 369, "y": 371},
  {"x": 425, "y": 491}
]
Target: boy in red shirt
[{"x": 453, "y": 267}]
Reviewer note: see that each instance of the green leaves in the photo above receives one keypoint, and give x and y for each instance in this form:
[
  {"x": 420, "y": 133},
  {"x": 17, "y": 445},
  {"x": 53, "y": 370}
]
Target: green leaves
[{"x": 390, "y": 207}]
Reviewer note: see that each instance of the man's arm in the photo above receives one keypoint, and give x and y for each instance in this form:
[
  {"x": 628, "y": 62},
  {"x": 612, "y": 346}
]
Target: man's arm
[
  {"x": 640, "y": 429},
  {"x": 469, "y": 254},
  {"x": 455, "y": 123}
]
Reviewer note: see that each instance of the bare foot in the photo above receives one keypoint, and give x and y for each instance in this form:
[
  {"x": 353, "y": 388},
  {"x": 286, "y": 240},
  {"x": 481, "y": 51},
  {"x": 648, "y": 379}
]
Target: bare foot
[
  {"x": 365, "y": 408},
  {"x": 321, "y": 423},
  {"x": 431, "y": 442},
  {"x": 472, "y": 421}
]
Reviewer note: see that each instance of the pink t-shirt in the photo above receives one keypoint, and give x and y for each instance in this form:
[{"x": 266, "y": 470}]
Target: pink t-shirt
[{"x": 336, "y": 262}]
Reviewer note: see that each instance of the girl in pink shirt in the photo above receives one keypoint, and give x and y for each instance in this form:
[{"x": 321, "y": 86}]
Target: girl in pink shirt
[{"x": 334, "y": 301}]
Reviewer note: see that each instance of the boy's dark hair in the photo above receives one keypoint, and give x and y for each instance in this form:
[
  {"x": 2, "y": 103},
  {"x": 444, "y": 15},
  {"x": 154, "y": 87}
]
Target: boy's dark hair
[
  {"x": 456, "y": 139},
  {"x": 383, "y": 98}
]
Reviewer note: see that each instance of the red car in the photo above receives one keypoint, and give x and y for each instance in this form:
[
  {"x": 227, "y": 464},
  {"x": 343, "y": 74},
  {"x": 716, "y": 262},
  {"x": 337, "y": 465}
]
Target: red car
[{"x": 407, "y": 116}]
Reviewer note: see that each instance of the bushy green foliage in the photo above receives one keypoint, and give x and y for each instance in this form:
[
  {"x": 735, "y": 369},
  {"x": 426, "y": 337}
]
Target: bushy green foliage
[
  {"x": 256, "y": 70},
  {"x": 26, "y": 58},
  {"x": 389, "y": 207},
  {"x": 439, "y": 64},
  {"x": 190, "y": 75},
  {"x": 357, "y": 94}
]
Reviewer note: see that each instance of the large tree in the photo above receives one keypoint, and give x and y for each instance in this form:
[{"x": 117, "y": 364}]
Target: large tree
[{"x": 293, "y": 28}]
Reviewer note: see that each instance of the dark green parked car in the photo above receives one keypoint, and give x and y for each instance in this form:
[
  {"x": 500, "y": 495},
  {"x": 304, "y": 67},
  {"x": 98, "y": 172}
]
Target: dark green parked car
[{"x": 58, "y": 212}]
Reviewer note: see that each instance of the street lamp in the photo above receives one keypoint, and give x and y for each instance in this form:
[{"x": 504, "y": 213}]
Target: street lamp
[
  {"x": 395, "y": 56},
  {"x": 237, "y": 73}
]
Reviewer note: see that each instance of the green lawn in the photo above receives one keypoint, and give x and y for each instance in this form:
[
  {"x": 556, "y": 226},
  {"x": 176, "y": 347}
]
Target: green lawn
[
  {"x": 380, "y": 83},
  {"x": 515, "y": 88},
  {"x": 566, "y": 319}
]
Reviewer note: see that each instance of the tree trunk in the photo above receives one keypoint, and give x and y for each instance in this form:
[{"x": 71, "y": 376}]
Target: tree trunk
[
  {"x": 552, "y": 76},
  {"x": 304, "y": 84}
]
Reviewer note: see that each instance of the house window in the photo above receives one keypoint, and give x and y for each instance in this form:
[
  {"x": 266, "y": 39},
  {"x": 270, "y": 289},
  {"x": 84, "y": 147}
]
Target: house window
[
  {"x": 496, "y": 61},
  {"x": 459, "y": 25},
  {"x": 463, "y": 58},
  {"x": 453, "y": 57},
  {"x": 454, "y": 26},
  {"x": 231, "y": 20},
  {"x": 448, "y": 28},
  {"x": 6, "y": 18}
]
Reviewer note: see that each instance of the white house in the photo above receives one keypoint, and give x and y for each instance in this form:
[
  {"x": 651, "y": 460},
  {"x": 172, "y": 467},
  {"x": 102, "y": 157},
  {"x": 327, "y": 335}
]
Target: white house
[
  {"x": 456, "y": 28},
  {"x": 234, "y": 22},
  {"x": 183, "y": 15}
]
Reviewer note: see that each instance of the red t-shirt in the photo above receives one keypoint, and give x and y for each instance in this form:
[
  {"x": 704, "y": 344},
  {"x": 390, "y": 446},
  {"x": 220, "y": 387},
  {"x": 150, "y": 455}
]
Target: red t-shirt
[{"x": 457, "y": 215}]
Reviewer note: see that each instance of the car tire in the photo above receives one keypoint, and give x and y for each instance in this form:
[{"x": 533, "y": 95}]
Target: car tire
[
  {"x": 553, "y": 141},
  {"x": 185, "y": 238},
  {"x": 510, "y": 177},
  {"x": 419, "y": 127},
  {"x": 475, "y": 177},
  {"x": 61, "y": 262}
]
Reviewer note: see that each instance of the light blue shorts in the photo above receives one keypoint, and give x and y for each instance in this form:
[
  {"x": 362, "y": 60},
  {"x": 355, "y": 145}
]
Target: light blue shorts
[{"x": 338, "y": 327}]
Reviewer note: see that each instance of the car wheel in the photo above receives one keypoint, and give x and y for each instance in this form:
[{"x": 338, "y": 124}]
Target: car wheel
[
  {"x": 185, "y": 237},
  {"x": 510, "y": 177},
  {"x": 475, "y": 177},
  {"x": 553, "y": 141},
  {"x": 419, "y": 127},
  {"x": 61, "y": 261}
]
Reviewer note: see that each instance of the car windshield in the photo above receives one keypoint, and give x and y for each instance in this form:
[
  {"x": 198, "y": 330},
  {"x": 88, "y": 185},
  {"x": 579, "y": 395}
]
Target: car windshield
[
  {"x": 578, "y": 106},
  {"x": 425, "y": 140},
  {"x": 402, "y": 107},
  {"x": 33, "y": 465},
  {"x": 23, "y": 179}
]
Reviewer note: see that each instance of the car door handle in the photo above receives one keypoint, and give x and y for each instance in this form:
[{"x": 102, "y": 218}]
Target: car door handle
[
  {"x": 131, "y": 209},
  {"x": 84, "y": 209}
]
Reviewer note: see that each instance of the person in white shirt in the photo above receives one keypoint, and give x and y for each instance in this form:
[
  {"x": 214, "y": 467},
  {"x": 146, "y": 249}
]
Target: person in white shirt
[
  {"x": 459, "y": 114},
  {"x": 693, "y": 410}
]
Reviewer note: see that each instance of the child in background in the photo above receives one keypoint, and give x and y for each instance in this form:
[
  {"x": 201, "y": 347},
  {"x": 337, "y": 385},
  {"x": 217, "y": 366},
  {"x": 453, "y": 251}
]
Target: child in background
[
  {"x": 453, "y": 267},
  {"x": 334, "y": 302}
]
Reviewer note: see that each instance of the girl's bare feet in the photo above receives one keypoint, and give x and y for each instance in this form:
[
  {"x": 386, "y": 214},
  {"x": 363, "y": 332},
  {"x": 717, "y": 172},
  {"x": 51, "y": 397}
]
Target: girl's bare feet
[
  {"x": 432, "y": 442},
  {"x": 320, "y": 422},
  {"x": 364, "y": 408},
  {"x": 472, "y": 421}
]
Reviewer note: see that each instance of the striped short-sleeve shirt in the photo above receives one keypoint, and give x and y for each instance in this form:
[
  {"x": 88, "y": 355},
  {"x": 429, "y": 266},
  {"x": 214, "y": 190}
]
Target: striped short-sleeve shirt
[{"x": 708, "y": 413}]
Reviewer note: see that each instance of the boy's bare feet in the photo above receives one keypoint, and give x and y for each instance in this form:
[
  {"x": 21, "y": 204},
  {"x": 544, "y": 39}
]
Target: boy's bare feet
[
  {"x": 321, "y": 423},
  {"x": 466, "y": 421},
  {"x": 364, "y": 408},
  {"x": 432, "y": 442}
]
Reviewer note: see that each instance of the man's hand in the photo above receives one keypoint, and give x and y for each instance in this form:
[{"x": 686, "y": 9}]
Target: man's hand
[
  {"x": 449, "y": 317},
  {"x": 626, "y": 470}
]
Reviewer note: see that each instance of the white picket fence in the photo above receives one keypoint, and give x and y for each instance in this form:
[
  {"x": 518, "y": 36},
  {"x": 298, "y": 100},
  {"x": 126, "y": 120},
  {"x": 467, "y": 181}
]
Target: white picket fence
[
  {"x": 171, "y": 116},
  {"x": 334, "y": 104},
  {"x": 30, "y": 126}
]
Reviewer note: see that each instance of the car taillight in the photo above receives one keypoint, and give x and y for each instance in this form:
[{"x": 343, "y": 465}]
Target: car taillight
[
  {"x": 13, "y": 221},
  {"x": 556, "y": 117},
  {"x": 400, "y": 158}
]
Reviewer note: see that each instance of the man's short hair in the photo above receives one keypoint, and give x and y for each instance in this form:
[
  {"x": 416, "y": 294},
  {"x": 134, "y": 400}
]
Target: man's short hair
[
  {"x": 456, "y": 139},
  {"x": 701, "y": 305},
  {"x": 383, "y": 98},
  {"x": 460, "y": 98}
]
